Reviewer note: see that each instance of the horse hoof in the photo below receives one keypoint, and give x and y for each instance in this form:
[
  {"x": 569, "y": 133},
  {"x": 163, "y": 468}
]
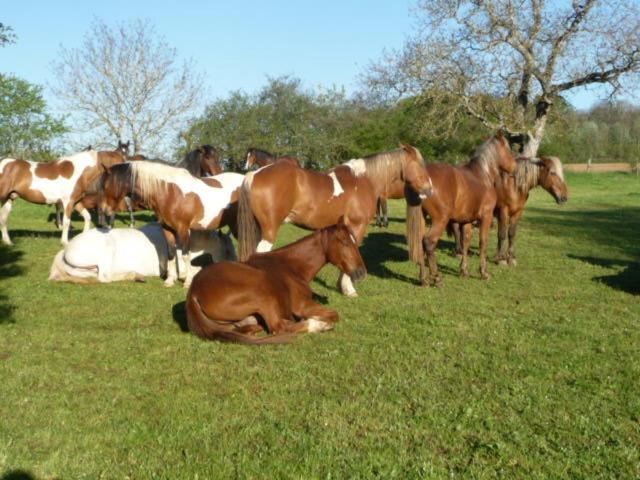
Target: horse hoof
[
  {"x": 353, "y": 294},
  {"x": 8, "y": 243},
  {"x": 513, "y": 262},
  {"x": 464, "y": 274},
  {"x": 485, "y": 276},
  {"x": 438, "y": 283},
  {"x": 168, "y": 283},
  {"x": 502, "y": 262},
  {"x": 317, "y": 326}
]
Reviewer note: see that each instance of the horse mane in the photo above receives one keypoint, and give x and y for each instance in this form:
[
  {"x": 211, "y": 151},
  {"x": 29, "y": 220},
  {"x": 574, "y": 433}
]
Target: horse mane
[
  {"x": 149, "y": 176},
  {"x": 486, "y": 156},
  {"x": 192, "y": 161},
  {"x": 382, "y": 167},
  {"x": 527, "y": 172}
]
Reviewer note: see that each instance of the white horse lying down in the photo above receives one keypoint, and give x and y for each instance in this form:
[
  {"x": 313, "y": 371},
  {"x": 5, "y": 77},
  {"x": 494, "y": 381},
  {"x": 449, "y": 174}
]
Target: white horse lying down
[{"x": 99, "y": 255}]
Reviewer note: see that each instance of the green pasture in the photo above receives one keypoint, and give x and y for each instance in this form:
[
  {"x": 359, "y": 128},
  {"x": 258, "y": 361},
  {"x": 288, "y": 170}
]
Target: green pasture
[{"x": 534, "y": 373}]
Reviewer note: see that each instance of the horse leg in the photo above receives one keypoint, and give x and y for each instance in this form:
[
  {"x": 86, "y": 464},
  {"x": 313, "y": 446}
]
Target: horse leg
[
  {"x": 129, "y": 203},
  {"x": 455, "y": 230},
  {"x": 385, "y": 212},
  {"x": 185, "y": 241},
  {"x": 503, "y": 224},
  {"x": 58, "y": 216},
  {"x": 66, "y": 220},
  {"x": 485, "y": 226},
  {"x": 317, "y": 317},
  {"x": 379, "y": 212},
  {"x": 435, "y": 232},
  {"x": 171, "y": 257},
  {"x": 359, "y": 228},
  {"x": 4, "y": 217},
  {"x": 80, "y": 208},
  {"x": 513, "y": 230},
  {"x": 465, "y": 231}
]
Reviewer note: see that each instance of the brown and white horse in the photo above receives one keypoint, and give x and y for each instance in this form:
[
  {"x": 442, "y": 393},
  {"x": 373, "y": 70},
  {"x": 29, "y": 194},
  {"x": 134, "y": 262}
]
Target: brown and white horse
[
  {"x": 225, "y": 298},
  {"x": 460, "y": 194},
  {"x": 283, "y": 192},
  {"x": 63, "y": 181},
  {"x": 181, "y": 201},
  {"x": 262, "y": 158},
  {"x": 513, "y": 193}
]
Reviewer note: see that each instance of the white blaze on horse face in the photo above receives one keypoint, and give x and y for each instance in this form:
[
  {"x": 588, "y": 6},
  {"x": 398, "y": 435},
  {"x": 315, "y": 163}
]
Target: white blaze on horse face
[
  {"x": 264, "y": 246},
  {"x": 357, "y": 166},
  {"x": 337, "y": 188},
  {"x": 246, "y": 163}
]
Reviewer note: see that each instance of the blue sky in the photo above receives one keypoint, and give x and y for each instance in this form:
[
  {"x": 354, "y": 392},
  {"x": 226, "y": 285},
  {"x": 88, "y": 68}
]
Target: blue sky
[{"x": 236, "y": 44}]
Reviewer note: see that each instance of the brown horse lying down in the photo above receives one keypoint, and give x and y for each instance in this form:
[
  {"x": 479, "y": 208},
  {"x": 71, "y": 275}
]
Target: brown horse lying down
[{"x": 273, "y": 286}]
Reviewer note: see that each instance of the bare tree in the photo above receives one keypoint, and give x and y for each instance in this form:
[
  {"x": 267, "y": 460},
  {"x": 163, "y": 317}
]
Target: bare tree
[
  {"x": 505, "y": 62},
  {"x": 126, "y": 82}
]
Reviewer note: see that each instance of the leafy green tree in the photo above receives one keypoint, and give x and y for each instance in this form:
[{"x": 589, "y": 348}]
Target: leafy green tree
[
  {"x": 26, "y": 129},
  {"x": 6, "y": 34}
]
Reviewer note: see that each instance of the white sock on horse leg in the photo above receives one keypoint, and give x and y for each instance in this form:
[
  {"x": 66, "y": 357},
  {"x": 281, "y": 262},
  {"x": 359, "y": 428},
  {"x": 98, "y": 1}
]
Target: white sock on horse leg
[
  {"x": 87, "y": 219},
  {"x": 66, "y": 223},
  {"x": 171, "y": 272},
  {"x": 346, "y": 285},
  {"x": 264, "y": 246},
  {"x": 4, "y": 217}
]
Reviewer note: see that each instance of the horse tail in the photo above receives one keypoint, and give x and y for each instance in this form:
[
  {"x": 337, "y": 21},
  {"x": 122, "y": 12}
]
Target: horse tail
[
  {"x": 415, "y": 227},
  {"x": 208, "y": 329},
  {"x": 59, "y": 273},
  {"x": 249, "y": 232}
]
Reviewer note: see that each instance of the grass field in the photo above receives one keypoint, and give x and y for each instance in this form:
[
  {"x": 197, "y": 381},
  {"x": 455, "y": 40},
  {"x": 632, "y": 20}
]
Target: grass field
[{"x": 532, "y": 374}]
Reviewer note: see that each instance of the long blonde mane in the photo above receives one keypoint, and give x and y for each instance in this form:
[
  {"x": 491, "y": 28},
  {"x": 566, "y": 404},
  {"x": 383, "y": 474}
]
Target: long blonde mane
[
  {"x": 151, "y": 177},
  {"x": 487, "y": 156},
  {"x": 383, "y": 168},
  {"x": 527, "y": 172}
]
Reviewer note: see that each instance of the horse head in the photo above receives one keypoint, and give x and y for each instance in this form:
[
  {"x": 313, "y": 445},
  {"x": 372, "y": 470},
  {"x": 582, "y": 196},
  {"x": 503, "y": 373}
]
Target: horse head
[
  {"x": 123, "y": 149},
  {"x": 414, "y": 173},
  {"x": 115, "y": 185},
  {"x": 209, "y": 160},
  {"x": 342, "y": 250},
  {"x": 505, "y": 159},
  {"x": 551, "y": 178}
]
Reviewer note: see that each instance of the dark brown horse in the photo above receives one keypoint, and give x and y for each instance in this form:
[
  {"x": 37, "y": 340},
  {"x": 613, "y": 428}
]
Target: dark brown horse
[
  {"x": 283, "y": 192},
  {"x": 460, "y": 194},
  {"x": 204, "y": 161},
  {"x": 513, "y": 193},
  {"x": 262, "y": 158},
  {"x": 181, "y": 201},
  {"x": 225, "y": 297}
]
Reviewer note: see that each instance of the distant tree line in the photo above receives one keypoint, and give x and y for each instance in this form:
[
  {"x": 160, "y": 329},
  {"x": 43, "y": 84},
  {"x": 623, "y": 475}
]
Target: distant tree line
[{"x": 325, "y": 127}]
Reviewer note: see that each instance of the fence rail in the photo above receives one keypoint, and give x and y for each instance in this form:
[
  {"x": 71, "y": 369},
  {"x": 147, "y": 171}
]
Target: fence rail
[{"x": 601, "y": 167}]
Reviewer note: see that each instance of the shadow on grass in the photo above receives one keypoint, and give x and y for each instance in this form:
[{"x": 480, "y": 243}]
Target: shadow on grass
[
  {"x": 627, "y": 280},
  {"x": 17, "y": 475},
  {"x": 614, "y": 227},
  {"x": 179, "y": 314},
  {"x": 9, "y": 258}
]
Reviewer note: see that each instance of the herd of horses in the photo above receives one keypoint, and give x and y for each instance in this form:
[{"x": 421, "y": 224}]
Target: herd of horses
[{"x": 266, "y": 291}]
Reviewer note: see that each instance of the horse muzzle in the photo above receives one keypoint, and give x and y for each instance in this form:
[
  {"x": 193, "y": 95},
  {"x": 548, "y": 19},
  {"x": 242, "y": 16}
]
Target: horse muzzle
[
  {"x": 425, "y": 193},
  {"x": 358, "y": 274},
  {"x": 562, "y": 200}
]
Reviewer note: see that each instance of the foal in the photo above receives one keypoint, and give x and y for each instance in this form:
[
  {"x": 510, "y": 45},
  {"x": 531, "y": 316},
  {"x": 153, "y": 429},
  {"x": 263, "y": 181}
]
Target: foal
[
  {"x": 461, "y": 194},
  {"x": 274, "y": 286}
]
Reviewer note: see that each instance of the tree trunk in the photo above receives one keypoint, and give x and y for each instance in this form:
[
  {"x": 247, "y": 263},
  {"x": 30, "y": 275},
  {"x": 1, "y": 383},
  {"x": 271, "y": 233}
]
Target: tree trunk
[{"x": 533, "y": 140}]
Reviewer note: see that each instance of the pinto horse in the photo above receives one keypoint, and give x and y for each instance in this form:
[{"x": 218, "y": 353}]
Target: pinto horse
[
  {"x": 461, "y": 194},
  {"x": 103, "y": 256},
  {"x": 181, "y": 202},
  {"x": 262, "y": 158},
  {"x": 202, "y": 162},
  {"x": 513, "y": 193},
  {"x": 284, "y": 192},
  {"x": 63, "y": 181},
  {"x": 224, "y": 298}
]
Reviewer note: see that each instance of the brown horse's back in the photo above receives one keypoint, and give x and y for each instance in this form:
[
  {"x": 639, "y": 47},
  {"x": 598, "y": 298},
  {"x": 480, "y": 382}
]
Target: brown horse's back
[{"x": 458, "y": 194}]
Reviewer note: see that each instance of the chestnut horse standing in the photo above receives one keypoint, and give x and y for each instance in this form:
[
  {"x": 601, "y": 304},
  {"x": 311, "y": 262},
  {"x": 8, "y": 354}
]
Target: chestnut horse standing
[
  {"x": 283, "y": 192},
  {"x": 262, "y": 158},
  {"x": 181, "y": 201},
  {"x": 63, "y": 181},
  {"x": 273, "y": 286},
  {"x": 460, "y": 194},
  {"x": 513, "y": 193}
]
